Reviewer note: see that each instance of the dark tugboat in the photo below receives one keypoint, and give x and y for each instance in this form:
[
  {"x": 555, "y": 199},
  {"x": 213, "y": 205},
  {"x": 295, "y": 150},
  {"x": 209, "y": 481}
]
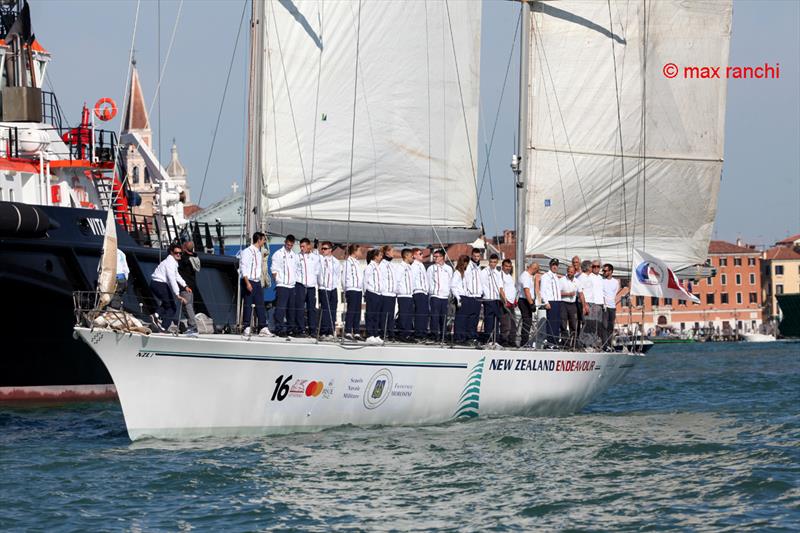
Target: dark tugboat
[{"x": 57, "y": 184}]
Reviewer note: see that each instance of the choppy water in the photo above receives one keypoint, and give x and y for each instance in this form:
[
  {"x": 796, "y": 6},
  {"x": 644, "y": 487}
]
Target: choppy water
[{"x": 697, "y": 437}]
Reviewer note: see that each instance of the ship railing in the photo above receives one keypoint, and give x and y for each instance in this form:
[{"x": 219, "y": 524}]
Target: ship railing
[
  {"x": 153, "y": 231},
  {"x": 88, "y": 310},
  {"x": 82, "y": 144}
]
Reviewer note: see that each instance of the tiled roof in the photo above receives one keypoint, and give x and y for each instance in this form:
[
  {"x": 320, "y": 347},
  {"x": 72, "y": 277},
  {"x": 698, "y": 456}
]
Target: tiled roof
[
  {"x": 782, "y": 253},
  {"x": 788, "y": 241},
  {"x": 722, "y": 247}
]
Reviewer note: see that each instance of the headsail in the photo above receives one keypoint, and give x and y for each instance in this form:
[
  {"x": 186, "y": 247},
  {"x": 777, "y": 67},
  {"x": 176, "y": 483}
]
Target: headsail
[
  {"x": 107, "y": 280},
  {"x": 621, "y": 156},
  {"x": 415, "y": 99}
]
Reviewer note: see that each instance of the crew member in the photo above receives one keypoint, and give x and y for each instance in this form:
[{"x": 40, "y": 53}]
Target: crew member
[
  {"x": 493, "y": 296},
  {"x": 551, "y": 299},
  {"x": 611, "y": 296},
  {"x": 250, "y": 268},
  {"x": 353, "y": 292},
  {"x": 284, "y": 269},
  {"x": 527, "y": 300},
  {"x": 122, "y": 280},
  {"x": 569, "y": 306},
  {"x": 330, "y": 274},
  {"x": 457, "y": 283},
  {"x": 473, "y": 292},
  {"x": 387, "y": 289},
  {"x": 404, "y": 287},
  {"x": 508, "y": 319},
  {"x": 166, "y": 284},
  {"x": 372, "y": 294},
  {"x": 305, "y": 289},
  {"x": 439, "y": 275},
  {"x": 419, "y": 280},
  {"x": 188, "y": 267}
]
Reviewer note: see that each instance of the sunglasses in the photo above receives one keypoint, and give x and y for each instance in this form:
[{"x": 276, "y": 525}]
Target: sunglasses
[
  {"x": 595, "y": 266},
  {"x": 325, "y": 248},
  {"x": 176, "y": 253}
]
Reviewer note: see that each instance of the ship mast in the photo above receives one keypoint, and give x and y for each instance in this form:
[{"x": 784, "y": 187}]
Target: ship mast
[
  {"x": 519, "y": 162},
  {"x": 253, "y": 178}
]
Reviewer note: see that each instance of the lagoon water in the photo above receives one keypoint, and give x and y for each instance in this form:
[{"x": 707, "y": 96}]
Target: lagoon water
[{"x": 702, "y": 437}]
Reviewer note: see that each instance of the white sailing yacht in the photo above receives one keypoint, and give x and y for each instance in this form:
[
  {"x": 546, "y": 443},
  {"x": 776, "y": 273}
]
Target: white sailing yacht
[{"x": 363, "y": 128}]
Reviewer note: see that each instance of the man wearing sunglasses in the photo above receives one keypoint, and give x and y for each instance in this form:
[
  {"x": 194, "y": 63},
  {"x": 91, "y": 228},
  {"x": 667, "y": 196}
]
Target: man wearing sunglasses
[{"x": 166, "y": 284}]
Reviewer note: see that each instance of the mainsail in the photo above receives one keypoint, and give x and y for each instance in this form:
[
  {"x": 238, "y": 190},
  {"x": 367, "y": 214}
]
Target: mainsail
[
  {"x": 385, "y": 153},
  {"x": 620, "y": 155}
]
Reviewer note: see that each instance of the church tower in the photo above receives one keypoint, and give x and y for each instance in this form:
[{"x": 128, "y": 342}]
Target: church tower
[
  {"x": 136, "y": 120},
  {"x": 177, "y": 172}
]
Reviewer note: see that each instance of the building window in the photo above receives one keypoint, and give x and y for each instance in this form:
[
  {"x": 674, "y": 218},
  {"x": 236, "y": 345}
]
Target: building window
[
  {"x": 738, "y": 279},
  {"x": 752, "y": 279},
  {"x": 697, "y": 325},
  {"x": 683, "y": 326},
  {"x": 751, "y": 261},
  {"x": 723, "y": 279},
  {"x": 681, "y": 302},
  {"x": 135, "y": 175},
  {"x": 710, "y": 298},
  {"x": 708, "y": 280},
  {"x": 723, "y": 298},
  {"x": 753, "y": 298},
  {"x": 738, "y": 297},
  {"x": 639, "y": 301},
  {"x": 739, "y": 324},
  {"x": 723, "y": 261},
  {"x": 737, "y": 261},
  {"x": 146, "y": 175},
  {"x": 653, "y": 300},
  {"x": 667, "y": 301},
  {"x": 779, "y": 289},
  {"x": 779, "y": 270}
]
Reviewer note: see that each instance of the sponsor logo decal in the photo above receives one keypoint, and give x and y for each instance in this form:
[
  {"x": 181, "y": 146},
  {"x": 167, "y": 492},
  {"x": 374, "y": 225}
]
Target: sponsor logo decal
[
  {"x": 539, "y": 365},
  {"x": 378, "y": 388},
  {"x": 353, "y": 389},
  {"x": 300, "y": 388},
  {"x": 401, "y": 390}
]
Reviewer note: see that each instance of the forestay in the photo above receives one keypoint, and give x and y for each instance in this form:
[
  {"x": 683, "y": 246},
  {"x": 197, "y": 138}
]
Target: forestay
[
  {"x": 416, "y": 118},
  {"x": 598, "y": 85}
]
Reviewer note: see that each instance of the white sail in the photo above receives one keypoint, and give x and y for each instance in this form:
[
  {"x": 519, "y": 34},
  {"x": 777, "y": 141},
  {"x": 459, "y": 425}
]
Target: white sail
[
  {"x": 107, "y": 280},
  {"x": 600, "y": 89},
  {"x": 416, "y": 117}
]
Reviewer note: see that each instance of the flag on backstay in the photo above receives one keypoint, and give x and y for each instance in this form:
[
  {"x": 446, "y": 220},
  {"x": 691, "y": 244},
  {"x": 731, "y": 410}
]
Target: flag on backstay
[{"x": 652, "y": 277}]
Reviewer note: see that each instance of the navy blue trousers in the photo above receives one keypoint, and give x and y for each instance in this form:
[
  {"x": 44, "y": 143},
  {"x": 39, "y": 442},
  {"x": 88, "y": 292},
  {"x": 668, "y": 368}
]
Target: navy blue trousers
[
  {"x": 328, "y": 301},
  {"x": 554, "y": 322},
  {"x": 405, "y": 316},
  {"x": 284, "y": 310},
  {"x": 387, "y": 316},
  {"x": 352, "y": 318},
  {"x": 305, "y": 301},
  {"x": 372, "y": 315},
  {"x": 166, "y": 303},
  {"x": 422, "y": 312},
  {"x": 438, "y": 316},
  {"x": 256, "y": 297},
  {"x": 491, "y": 319}
]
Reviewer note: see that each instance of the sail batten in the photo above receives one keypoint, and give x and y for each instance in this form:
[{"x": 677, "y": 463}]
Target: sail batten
[
  {"x": 415, "y": 103},
  {"x": 621, "y": 156}
]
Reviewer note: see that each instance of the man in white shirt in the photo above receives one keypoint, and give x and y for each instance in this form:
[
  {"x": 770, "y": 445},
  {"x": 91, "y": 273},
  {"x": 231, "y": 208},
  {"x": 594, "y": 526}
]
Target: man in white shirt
[
  {"x": 419, "y": 279},
  {"x": 305, "y": 289},
  {"x": 576, "y": 264},
  {"x": 250, "y": 268},
  {"x": 527, "y": 300},
  {"x": 388, "y": 295},
  {"x": 493, "y": 296},
  {"x": 404, "y": 288},
  {"x": 551, "y": 299},
  {"x": 353, "y": 285},
  {"x": 328, "y": 281},
  {"x": 471, "y": 297},
  {"x": 569, "y": 305},
  {"x": 508, "y": 322},
  {"x": 372, "y": 294},
  {"x": 284, "y": 269},
  {"x": 439, "y": 275},
  {"x": 166, "y": 284},
  {"x": 611, "y": 295}
]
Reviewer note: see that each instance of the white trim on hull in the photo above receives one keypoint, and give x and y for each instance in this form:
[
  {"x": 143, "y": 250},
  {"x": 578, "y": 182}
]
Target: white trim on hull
[{"x": 228, "y": 385}]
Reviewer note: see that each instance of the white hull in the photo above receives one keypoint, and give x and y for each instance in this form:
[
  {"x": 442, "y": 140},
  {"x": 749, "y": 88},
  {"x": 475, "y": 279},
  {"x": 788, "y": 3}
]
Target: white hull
[
  {"x": 758, "y": 337},
  {"x": 225, "y": 384}
]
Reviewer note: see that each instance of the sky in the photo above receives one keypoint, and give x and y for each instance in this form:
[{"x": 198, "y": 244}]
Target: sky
[{"x": 90, "y": 40}]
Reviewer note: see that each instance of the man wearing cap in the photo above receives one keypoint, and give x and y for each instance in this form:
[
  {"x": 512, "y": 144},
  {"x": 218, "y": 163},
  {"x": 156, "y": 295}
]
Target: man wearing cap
[{"x": 551, "y": 299}]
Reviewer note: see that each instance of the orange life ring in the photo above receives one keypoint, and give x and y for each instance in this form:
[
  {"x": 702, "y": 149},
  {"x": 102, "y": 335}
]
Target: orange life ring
[{"x": 105, "y": 109}]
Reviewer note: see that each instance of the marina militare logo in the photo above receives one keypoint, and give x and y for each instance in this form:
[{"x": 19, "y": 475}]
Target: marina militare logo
[{"x": 649, "y": 273}]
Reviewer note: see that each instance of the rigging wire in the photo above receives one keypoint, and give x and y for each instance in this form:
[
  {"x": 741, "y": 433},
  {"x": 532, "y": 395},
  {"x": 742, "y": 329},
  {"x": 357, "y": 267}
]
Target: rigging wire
[
  {"x": 157, "y": 92},
  {"x": 222, "y": 103},
  {"x": 127, "y": 84},
  {"x": 353, "y": 129}
]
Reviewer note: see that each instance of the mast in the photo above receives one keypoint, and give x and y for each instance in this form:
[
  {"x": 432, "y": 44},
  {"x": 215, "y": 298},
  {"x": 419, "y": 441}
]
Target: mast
[
  {"x": 519, "y": 162},
  {"x": 253, "y": 179}
]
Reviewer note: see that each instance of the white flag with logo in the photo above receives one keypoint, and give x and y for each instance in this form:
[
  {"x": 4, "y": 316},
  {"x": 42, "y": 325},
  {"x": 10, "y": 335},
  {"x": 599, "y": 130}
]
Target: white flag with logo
[{"x": 652, "y": 277}]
